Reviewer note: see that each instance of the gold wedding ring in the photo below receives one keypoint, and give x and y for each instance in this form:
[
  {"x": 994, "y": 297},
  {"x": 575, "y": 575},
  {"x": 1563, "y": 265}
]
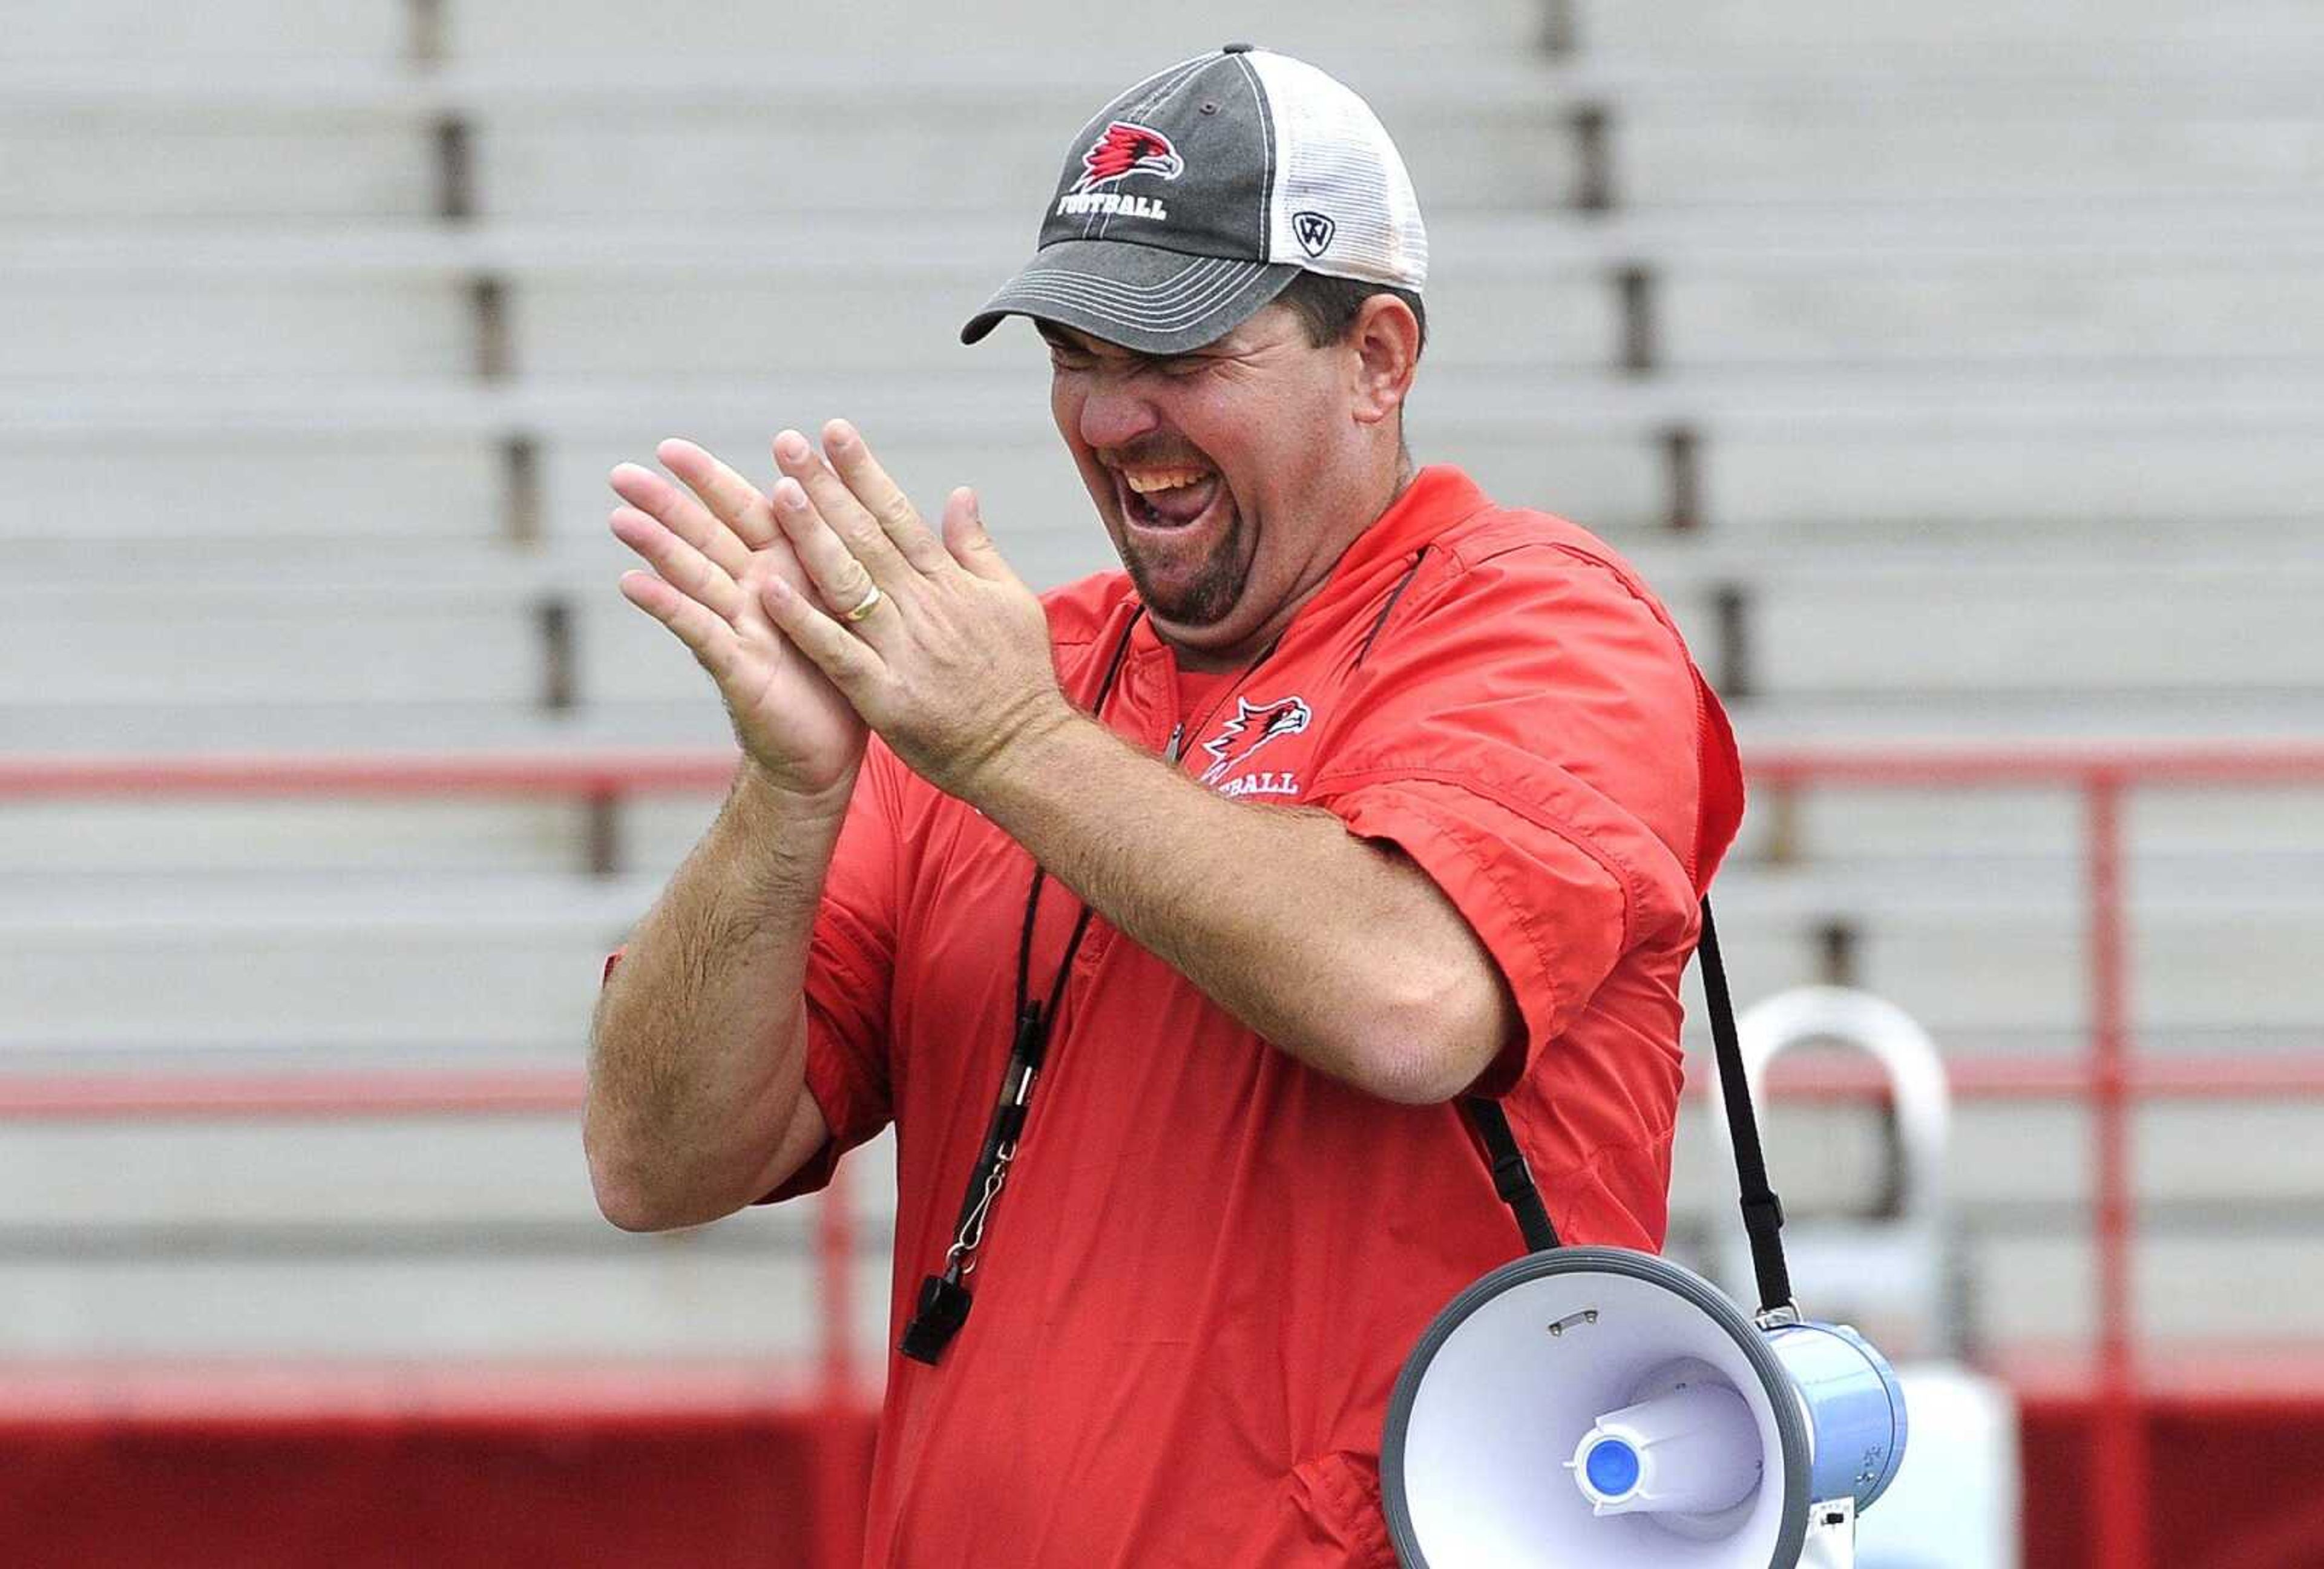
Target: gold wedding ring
[{"x": 865, "y": 606}]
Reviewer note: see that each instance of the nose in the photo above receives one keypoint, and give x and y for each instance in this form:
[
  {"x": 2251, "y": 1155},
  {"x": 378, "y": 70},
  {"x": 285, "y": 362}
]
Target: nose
[{"x": 1113, "y": 414}]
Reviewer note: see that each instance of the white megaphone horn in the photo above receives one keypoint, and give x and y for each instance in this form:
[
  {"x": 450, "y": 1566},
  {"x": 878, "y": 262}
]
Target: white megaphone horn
[{"x": 1599, "y": 1407}]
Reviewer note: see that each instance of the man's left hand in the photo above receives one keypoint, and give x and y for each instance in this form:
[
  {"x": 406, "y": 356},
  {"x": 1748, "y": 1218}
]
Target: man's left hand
[{"x": 948, "y": 654}]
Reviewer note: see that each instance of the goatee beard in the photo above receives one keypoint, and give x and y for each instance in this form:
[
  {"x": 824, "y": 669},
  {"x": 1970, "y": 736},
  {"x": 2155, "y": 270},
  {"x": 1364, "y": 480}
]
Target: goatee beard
[{"x": 1205, "y": 601}]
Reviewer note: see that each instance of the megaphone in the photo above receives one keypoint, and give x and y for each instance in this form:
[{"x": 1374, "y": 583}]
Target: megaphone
[
  {"x": 1590, "y": 1408},
  {"x": 1587, "y": 1407}
]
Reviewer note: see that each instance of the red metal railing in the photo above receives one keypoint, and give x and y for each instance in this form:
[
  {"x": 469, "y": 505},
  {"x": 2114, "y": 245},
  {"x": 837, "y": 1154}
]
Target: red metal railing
[{"x": 2108, "y": 1075}]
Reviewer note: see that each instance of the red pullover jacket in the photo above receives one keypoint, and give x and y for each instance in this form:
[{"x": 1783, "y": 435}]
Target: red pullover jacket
[{"x": 1209, "y": 1261}]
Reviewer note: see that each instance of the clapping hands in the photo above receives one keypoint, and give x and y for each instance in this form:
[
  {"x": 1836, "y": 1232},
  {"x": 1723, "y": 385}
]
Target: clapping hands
[{"x": 826, "y": 607}]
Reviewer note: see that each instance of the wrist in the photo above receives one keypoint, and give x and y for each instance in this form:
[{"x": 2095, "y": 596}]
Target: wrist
[
  {"x": 773, "y": 845},
  {"x": 1022, "y": 750},
  {"x": 763, "y": 802}
]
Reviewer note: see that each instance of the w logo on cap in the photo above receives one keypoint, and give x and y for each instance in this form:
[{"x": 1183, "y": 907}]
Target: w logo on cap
[
  {"x": 1125, "y": 150},
  {"x": 1312, "y": 230}
]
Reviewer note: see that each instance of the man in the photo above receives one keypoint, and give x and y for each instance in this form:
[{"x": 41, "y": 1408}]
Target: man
[{"x": 1165, "y": 915}]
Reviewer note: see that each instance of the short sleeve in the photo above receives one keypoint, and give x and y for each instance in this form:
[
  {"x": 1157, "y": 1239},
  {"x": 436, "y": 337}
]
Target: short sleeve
[
  {"x": 1528, "y": 736},
  {"x": 850, "y": 978}
]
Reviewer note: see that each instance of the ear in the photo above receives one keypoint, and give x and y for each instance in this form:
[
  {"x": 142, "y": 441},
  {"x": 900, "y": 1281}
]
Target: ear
[{"x": 1384, "y": 343}]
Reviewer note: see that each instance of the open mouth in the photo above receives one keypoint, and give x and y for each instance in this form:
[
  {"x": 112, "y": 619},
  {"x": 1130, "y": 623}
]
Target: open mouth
[{"x": 1165, "y": 498}]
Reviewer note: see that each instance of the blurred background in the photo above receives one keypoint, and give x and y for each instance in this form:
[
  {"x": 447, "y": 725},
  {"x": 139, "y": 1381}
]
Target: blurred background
[{"x": 1953, "y": 371}]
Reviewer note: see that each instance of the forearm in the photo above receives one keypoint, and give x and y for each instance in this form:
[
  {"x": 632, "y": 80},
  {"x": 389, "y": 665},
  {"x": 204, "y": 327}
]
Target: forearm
[
  {"x": 1336, "y": 950},
  {"x": 698, "y": 1054}
]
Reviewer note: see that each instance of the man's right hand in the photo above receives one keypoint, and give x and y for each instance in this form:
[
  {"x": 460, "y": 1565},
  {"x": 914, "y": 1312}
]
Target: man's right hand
[{"x": 712, "y": 551}]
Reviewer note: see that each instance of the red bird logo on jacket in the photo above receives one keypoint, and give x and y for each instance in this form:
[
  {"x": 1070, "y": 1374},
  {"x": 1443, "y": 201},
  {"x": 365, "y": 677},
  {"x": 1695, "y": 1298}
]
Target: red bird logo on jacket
[
  {"x": 1125, "y": 150},
  {"x": 1253, "y": 726}
]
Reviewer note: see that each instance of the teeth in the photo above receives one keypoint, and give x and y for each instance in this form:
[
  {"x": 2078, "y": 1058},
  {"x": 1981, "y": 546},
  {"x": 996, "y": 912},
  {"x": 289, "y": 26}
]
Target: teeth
[{"x": 1146, "y": 482}]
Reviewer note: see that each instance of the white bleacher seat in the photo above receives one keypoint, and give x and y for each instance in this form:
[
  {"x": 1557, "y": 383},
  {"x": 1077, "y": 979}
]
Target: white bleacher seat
[
  {"x": 612, "y": 1299},
  {"x": 1917, "y": 619},
  {"x": 2063, "y": 31},
  {"x": 2189, "y": 824},
  {"x": 861, "y": 305},
  {"x": 363, "y": 1240},
  {"x": 1832, "y": 1159},
  {"x": 96, "y": 144},
  {"x": 599, "y": 300},
  {"x": 362, "y": 1205},
  {"x": 396, "y": 1172},
  {"x": 1685, "y": 138},
  {"x": 2019, "y": 1175},
  {"x": 354, "y": 1172},
  {"x": 191, "y": 489},
  {"x": 375, "y": 1293},
  {"x": 86, "y": 324},
  {"x": 630, "y": 1297},
  {"x": 318, "y": 643},
  {"x": 991, "y": 44},
  {"x": 2032, "y": 720},
  {"x": 2193, "y": 1292},
  {"x": 1983, "y": 947},
  {"x": 480, "y": 965},
  {"x": 995, "y": 432},
  {"x": 2000, "y": 947},
  {"x": 225, "y": 33},
  {"x": 627, "y": 142},
  {"x": 2093, "y": 466},
  {"x": 860, "y": 140},
  {"x": 1810, "y": 457},
  {"x": 1890, "y": 830},
  {"x": 2028, "y": 309},
  {"x": 61, "y": 841},
  {"x": 1897, "y": 625},
  {"x": 1853, "y": 824},
  {"x": 2193, "y": 823},
  {"x": 413, "y": 729}
]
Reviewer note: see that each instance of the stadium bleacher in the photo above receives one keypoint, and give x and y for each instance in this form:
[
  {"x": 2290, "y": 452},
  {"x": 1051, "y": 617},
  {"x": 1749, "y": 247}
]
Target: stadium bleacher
[{"x": 1956, "y": 378}]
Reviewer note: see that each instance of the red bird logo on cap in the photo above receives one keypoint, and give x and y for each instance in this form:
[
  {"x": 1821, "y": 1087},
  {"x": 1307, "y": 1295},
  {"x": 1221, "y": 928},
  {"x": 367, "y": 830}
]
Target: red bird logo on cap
[{"x": 1125, "y": 150}]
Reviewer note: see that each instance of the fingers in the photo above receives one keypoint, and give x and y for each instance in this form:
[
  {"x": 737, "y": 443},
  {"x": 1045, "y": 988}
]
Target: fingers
[
  {"x": 737, "y": 503},
  {"x": 968, "y": 542},
  {"x": 847, "y": 659},
  {"x": 708, "y": 635},
  {"x": 835, "y": 506},
  {"x": 683, "y": 515},
  {"x": 841, "y": 580},
  {"x": 680, "y": 564},
  {"x": 879, "y": 495}
]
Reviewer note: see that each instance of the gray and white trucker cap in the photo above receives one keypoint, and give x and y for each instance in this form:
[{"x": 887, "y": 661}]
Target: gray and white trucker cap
[{"x": 1195, "y": 197}]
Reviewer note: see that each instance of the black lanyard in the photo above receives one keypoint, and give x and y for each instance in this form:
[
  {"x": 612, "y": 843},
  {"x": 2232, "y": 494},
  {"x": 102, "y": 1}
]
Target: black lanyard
[{"x": 944, "y": 1298}]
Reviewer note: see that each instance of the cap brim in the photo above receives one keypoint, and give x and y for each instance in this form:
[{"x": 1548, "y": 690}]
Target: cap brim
[{"x": 1152, "y": 300}]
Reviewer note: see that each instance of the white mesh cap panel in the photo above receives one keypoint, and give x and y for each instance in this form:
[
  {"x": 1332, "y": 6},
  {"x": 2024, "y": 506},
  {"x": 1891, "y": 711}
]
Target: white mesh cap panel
[{"x": 1337, "y": 179}]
